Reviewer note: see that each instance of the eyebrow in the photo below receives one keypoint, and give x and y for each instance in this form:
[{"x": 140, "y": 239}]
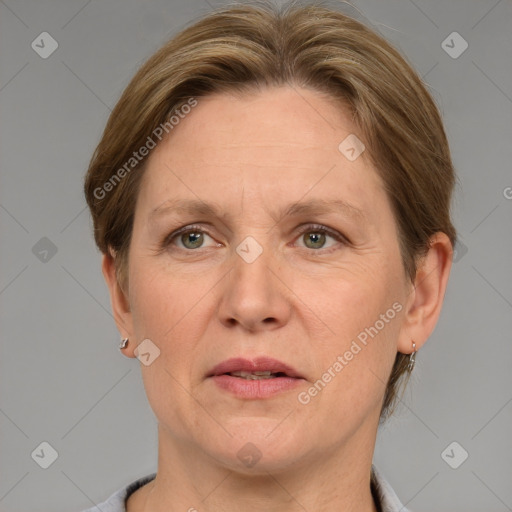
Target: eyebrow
[{"x": 310, "y": 207}]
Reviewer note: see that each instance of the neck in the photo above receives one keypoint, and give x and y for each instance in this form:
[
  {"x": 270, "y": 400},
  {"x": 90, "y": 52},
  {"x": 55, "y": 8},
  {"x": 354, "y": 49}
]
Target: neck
[{"x": 188, "y": 479}]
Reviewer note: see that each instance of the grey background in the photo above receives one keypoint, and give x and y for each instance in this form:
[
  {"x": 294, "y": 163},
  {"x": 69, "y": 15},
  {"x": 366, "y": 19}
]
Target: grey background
[{"x": 62, "y": 377}]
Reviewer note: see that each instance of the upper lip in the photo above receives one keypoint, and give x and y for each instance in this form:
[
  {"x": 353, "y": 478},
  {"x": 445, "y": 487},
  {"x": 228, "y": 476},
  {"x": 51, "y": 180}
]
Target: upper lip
[{"x": 259, "y": 364}]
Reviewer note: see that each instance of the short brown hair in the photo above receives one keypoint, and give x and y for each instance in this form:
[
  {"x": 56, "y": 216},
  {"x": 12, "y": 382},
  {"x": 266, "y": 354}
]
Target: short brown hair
[{"x": 245, "y": 47}]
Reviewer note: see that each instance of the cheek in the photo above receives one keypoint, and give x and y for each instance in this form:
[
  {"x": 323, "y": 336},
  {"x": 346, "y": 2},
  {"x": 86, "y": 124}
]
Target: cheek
[
  {"x": 360, "y": 314},
  {"x": 350, "y": 298},
  {"x": 168, "y": 310},
  {"x": 150, "y": 299},
  {"x": 172, "y": 309},
  {"x": 158, "y": 299}
]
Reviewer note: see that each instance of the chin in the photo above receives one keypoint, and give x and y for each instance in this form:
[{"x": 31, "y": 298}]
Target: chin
[{"x": 258, "y": 446}]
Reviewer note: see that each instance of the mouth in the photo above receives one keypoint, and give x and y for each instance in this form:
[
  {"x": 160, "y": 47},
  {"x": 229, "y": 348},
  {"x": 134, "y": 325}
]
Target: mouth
[
  {"x": 259, "y": 368},
  {"x": 260, "y": 378},
  {"x": 256, "y": 375}
]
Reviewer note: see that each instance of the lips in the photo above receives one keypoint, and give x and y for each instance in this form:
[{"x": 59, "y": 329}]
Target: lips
[
  {"x": 257, "y": 379},
  {"x": 256, "y": 368}
]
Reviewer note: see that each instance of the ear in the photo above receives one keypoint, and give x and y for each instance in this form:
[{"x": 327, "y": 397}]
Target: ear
[
  {"x": 427, "y": 294},
  {"x": 119, "y": 303}
]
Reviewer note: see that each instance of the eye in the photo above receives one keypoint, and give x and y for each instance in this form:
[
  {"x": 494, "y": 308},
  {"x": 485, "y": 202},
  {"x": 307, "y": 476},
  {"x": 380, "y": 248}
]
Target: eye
[
  {"x": 190, "y": 237},
  {"x": 315, "y": 236}
]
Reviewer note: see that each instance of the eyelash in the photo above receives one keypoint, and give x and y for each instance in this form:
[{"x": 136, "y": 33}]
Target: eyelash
[{"x": 310, "y": 228}]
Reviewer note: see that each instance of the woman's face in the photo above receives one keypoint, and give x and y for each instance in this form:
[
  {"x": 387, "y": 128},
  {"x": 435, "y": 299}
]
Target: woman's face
[{"x": 255, "y": 276}]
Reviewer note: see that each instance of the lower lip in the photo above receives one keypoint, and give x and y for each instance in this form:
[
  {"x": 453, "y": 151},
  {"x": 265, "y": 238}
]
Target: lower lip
[{"x": 255, "y": 388}]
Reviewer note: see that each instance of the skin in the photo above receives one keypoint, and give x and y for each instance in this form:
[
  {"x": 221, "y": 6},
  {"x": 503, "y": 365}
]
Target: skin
[{"x": 302, "y": 301}]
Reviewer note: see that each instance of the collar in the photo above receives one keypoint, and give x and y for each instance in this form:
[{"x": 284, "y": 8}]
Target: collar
[{"x": 383, "y": 494}]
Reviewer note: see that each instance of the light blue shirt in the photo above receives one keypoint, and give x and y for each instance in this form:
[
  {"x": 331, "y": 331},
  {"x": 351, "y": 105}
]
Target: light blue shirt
[{"x": 384, "y": 495}]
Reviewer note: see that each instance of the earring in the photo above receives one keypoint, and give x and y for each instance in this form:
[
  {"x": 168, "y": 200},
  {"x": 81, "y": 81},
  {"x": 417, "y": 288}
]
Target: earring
[
  {"x": 412, "y": 357},
  {"x": 123, "y": 343}
]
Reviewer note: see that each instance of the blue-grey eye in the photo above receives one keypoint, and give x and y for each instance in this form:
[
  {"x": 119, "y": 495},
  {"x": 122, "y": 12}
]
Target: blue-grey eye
[
  {"x": 195, "y": 239},
  {"x": 317, "y": 239}
]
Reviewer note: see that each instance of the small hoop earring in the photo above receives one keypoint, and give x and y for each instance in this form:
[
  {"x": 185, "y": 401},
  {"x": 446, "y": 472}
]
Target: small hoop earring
[
  {"x": 412, "y": 357},
  {"x": 123, "y": 343}
]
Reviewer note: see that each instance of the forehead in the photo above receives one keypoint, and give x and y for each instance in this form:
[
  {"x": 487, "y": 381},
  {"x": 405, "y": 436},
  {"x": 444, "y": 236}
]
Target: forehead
[{"x": 274, "y": 145}]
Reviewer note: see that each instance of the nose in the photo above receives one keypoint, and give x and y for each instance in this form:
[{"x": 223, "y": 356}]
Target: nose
[{"x": 255, "y": 296}]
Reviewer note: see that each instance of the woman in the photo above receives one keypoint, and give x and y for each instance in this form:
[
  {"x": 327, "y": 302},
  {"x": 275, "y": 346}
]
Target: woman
[{"x": 271, "y": 195}]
